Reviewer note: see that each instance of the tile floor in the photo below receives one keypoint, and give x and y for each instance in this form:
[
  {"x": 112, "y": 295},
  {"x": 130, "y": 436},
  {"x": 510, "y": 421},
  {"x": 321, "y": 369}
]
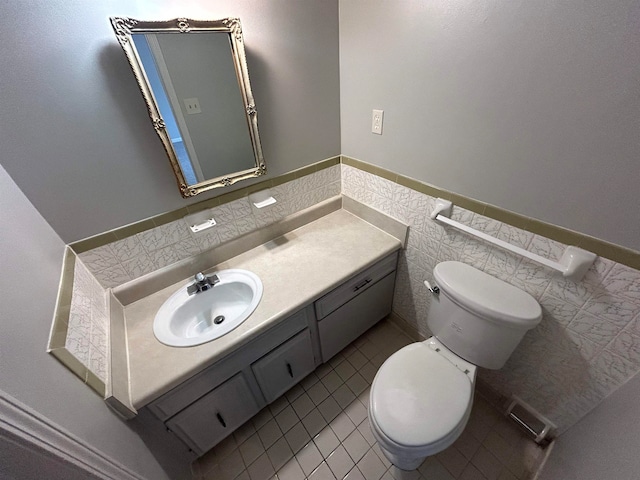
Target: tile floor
[{"x": 319, "y": 430}]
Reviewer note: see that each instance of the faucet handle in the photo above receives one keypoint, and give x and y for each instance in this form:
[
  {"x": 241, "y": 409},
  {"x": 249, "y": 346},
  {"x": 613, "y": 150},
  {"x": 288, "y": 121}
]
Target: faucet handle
[{"x": 199, "y": 277}]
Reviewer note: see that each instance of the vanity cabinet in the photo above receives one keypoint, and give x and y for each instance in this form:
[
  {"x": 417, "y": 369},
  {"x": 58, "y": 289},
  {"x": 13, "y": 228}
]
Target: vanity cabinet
[
  {"x": 205, "y": 409},
  {"x": 209, "y": 406},
  {"x": 355, "y": 306}
]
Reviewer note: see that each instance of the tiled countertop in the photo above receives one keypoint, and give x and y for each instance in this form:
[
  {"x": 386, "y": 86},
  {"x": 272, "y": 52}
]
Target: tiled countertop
[{"x": 296, "y": 269}]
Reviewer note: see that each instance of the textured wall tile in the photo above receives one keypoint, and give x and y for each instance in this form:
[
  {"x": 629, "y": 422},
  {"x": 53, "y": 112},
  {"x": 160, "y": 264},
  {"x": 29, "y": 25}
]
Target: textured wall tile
[
  {"x": 422, "y": 203},
  {"x": 476, "y": 253},
  {"x": 486, "y": 224},
  {"x": 624, "y": 281},
  {"x": 598, "y": 271},
  {"x": 614, "y": 366},
  {"x": 139, "y": 266},
  {"x": 165, "y": 256},
  {"x": 545, "y": 247},
  {"x": 188, "y": 247},
  {"x": 634, "y": 325},
  {"x": 515, "y": 236},
  {"x": 431, "y": 238},
  {"x": 614, "y": 308},
  {"x": 207, "y": 239},
  {"x": 269, "y": 215},
  {"x": 128, "y": 249},
  {"x": 226, "y": 231},
  {"x": 333, "y": 189},
  {"x": 223, "y": 214},
  {"x": 461, "y": 215},
  {"x": 163, "y": 236},
  {"x": 240, "y": 208},
  {"x": 98, "y": 363},
  {"x": 586, "y": 348},
  {"x": 563, "y": 312},
  {"x": 627, "y": 345},
  {"x": 446, "y": 254},
  {"x": 245, "y": 224},
  {"x": 532, "y": 277},
  {"x": 112, "y": 277},
  {"x": 569, "y": 291},
  {"x": 383, "y": 187},
  {"x": 599, "y": 331},
  {"x": 99, "y": 258},
  {"x": 453, "y": 238},
  {"x": 502, "y": 264},
  {"x": 77, "y": 344}
]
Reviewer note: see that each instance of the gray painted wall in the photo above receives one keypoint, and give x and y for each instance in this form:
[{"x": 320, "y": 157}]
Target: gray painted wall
[
  {"x": 30, "y": 249},
  {"x": 604, "y": 444},
  {"x": 531, "y": 106},
  {"x": 75, "y": 134}
]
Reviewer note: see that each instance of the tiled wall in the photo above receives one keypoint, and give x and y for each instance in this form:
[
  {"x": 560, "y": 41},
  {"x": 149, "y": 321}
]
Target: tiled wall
[
  {"x": 123, "y": 260},
  {"x": 588, "y": 342},
  {"x": 587, "y": 345},
  {"x": 88, "y": 326}
]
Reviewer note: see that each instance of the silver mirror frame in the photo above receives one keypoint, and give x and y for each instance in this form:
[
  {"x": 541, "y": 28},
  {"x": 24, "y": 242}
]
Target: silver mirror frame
[{"x": 125, "y": 27}]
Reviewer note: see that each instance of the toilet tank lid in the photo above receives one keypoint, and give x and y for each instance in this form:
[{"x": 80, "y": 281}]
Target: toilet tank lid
[{"x": 486, "y": 295}]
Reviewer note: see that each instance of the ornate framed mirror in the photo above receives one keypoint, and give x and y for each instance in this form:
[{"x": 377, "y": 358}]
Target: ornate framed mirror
[{"x": 194, "y": 79}]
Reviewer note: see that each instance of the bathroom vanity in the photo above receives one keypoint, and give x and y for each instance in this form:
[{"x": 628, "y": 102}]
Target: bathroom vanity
[{"x": 325, "y": 283}]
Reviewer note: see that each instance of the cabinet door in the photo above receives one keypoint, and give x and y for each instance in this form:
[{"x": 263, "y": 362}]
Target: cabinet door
[
  {"x": 209, "y": 420},
  {"x": 285, "y": 366}
]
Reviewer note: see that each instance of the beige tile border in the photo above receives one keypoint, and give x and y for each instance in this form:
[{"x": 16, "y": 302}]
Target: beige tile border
[
  {"x": 60, "y": 327},
  {"x": 602, "y": 248},
  {"x": 149, "y": 223}
]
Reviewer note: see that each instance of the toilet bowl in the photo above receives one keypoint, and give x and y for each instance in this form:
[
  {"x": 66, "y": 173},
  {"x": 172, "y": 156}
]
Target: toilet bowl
[
  {"x": 416, "y": 381},
  {"x": 421, "y": 396}
]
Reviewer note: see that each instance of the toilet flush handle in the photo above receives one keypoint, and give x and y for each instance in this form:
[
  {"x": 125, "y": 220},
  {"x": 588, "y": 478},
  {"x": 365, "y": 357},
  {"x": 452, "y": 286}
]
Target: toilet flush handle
[{"x": 435, "y": 289}]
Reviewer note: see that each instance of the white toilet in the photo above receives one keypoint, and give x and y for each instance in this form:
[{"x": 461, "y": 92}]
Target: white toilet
[{"x": 422, "y": 395}]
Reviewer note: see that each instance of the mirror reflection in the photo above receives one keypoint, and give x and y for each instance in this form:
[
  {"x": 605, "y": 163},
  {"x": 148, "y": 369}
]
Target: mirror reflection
[{"x": 199, "y": 97}]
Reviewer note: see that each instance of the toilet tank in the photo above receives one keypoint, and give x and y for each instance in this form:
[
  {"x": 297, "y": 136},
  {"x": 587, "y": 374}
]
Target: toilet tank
[{"x": 479, "y": 317}]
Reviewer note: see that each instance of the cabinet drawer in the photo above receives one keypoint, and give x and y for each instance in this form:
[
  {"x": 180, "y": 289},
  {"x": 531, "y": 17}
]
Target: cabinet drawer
[
  {"x": 285, "y": 366},
  {"x": 347, "y": 323},
  {"x": 355, "y": 286},
  {"x": 209, "y": 420}
]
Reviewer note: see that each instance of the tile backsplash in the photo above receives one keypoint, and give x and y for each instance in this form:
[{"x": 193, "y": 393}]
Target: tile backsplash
[
  {"x": 123, "y": 260},
  {"x": 588, "y": 343}
]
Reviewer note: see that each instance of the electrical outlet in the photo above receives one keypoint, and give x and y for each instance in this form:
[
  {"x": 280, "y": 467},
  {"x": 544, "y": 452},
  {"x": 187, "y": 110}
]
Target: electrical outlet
[
  {"x": 192, "y": 105},
  {"x": 376, "y": 121}
]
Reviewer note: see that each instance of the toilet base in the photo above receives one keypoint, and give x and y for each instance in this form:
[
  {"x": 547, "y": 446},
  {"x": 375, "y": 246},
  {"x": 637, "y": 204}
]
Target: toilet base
[{"x": 402, "y": 462}]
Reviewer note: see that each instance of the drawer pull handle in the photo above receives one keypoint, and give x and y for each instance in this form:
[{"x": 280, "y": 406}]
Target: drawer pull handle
[
  {"x": 221, "y": 420},
  {"x": 362, "y": 284},
  {"x": 289, "y": 369}
]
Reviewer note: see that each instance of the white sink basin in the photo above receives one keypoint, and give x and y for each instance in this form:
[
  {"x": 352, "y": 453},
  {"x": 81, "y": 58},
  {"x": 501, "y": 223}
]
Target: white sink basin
[{"x": 186, "y": 320}]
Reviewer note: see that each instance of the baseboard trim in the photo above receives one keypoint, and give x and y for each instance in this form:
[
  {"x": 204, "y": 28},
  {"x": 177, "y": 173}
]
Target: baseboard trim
[{"x": 31, "y": 428}]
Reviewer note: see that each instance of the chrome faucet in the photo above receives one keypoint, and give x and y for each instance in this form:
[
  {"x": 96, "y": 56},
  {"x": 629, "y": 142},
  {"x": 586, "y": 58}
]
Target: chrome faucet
[{"x": 202, "y": 283}]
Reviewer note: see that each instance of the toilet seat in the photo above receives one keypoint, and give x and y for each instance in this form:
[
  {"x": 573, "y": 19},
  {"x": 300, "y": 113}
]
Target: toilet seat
[{"x": 420, "y": 399}]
